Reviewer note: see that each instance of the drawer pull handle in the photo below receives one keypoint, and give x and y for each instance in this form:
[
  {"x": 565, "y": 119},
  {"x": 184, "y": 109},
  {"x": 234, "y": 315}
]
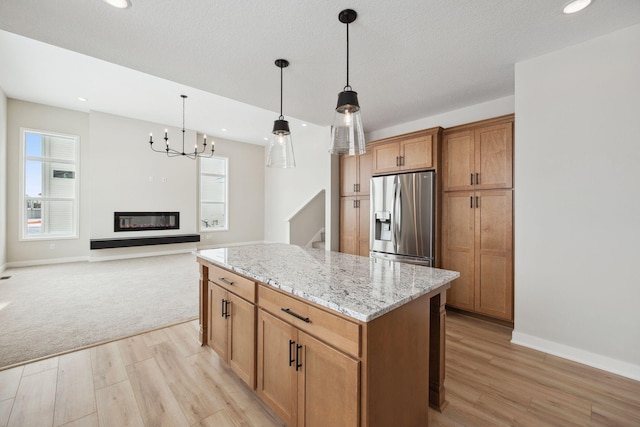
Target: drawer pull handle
[
  {"x": 298, "y": 364},
  {"x": 288, "y": 311},
  {"x": 225, "y": 281},
  {"x": 291, "y": 359}
]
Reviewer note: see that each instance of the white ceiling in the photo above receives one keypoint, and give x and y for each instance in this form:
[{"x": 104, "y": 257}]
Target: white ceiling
[{"x": 409, "y": 59}]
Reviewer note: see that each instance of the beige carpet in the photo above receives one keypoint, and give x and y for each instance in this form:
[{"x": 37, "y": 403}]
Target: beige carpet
[{"x": 54, "y": 308}]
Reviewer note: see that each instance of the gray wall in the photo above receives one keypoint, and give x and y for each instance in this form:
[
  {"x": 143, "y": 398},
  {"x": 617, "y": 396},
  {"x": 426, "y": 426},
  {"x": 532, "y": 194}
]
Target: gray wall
[
  {"x": 22, "y": 114},
  {"x": 246, "y": 194},
  {"x": 306, "y": 223},
  {"x": 577, "y": 222},
  {"x": 3, "y": 180},
  {"x": 118, "y": 172}
]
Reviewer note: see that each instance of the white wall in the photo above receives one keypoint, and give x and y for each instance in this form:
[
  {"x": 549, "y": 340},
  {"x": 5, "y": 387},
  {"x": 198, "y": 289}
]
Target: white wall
[
  {"x": 21, "y": 114},
  {"x": 3, "y": 180},
  {"x": 577, "y": 202},
  {"x": 473, "y": 113},
  {"x": 288, "y": 190}
]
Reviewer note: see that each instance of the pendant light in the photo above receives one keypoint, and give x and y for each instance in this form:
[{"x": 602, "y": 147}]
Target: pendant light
[
  {"x": 347, "y": 135},
  {"x": 280, "y": 147}
]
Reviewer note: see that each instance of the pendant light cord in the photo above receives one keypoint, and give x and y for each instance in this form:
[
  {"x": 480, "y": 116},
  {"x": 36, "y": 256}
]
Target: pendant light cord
[
  {"x": 347, "y": 86},
  {"x": 281, "y": 116}
]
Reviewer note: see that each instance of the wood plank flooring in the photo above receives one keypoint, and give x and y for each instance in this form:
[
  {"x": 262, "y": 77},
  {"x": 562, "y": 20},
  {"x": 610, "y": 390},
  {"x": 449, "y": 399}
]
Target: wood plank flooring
[{"x": 164, "y": 378}]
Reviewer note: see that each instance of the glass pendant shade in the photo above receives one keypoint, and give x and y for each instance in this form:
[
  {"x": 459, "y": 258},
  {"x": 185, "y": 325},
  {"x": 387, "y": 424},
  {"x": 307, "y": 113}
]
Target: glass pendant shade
[
  {"x": 280, "y": 146},
  {"x": 347, "y": 134}
]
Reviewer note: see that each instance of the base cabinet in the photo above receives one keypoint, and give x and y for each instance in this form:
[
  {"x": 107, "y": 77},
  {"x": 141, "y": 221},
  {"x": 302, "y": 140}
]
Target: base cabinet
[
  {"x": 306, "y": 382},
  {"x": 231, "y": 331},
  {"x": 478, "y": 242},
  {"x": 317, "y": 367}
]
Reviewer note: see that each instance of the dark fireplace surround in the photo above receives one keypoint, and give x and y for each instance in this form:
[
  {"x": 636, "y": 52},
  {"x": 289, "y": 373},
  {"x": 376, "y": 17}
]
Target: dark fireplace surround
[{"x": 142, "y": 221}]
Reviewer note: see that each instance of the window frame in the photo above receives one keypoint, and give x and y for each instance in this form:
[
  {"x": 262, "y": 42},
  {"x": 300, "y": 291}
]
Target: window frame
[
  {"x": 22, "y": 229},
  {"x": 201, "y": 228}
]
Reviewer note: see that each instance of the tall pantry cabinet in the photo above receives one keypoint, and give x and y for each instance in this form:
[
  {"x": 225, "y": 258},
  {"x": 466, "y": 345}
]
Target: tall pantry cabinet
[
  {"x": 477, "y": 216},
  {"x": 355, "y": 174}
]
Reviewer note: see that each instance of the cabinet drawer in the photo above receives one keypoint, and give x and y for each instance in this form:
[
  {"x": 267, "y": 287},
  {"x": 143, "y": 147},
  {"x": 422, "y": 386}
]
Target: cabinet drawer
[
  {"x": 336, "y": 331},
  {"x": 232, "y": 282}
]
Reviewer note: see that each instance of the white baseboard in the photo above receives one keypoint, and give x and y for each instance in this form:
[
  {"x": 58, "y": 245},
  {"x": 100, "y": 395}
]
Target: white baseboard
[
  {"x": 594, "y": 360},
  {"x": 30, "y": 263},
  {"x": 226, "y": 245},
  {"x": 3, "y": 267}
]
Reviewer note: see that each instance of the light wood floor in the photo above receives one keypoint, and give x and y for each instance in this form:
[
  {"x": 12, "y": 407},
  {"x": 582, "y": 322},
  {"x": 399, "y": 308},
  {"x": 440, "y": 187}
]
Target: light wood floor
[{"x": 164, "y": 378}]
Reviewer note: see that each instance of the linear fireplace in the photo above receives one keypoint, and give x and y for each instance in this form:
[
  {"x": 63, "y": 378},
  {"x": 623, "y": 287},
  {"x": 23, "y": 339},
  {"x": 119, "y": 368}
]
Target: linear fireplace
[{"x": 141, "y": 221}]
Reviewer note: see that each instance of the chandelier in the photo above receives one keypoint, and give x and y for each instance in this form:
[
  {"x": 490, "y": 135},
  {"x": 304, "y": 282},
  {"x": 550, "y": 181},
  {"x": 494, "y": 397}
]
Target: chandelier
[{"x": 170, "y": 152}]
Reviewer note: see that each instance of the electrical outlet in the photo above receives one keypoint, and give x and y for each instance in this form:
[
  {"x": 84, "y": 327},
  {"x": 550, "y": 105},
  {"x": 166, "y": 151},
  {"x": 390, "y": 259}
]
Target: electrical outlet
[{"x": 52, "y": 245}]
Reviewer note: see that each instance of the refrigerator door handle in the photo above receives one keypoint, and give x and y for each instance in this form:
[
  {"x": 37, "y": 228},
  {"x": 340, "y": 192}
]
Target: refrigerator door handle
[{"x": 397, "y": 213}]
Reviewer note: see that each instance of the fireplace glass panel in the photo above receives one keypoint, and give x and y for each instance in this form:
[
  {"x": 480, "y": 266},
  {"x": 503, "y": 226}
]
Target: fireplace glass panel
[{"x": 140, "y": 221}]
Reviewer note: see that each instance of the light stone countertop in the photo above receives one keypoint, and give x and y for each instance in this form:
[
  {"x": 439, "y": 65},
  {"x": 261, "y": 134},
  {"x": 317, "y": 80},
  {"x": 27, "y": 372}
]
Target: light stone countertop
[{"x": 359, "y": 287}]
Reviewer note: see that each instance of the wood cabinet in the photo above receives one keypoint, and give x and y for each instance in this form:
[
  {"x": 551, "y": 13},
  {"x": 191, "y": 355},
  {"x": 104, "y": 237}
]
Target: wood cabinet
[
  {"x": 231, "y": 322},
  {"x": 355, "y": 173},
  {"x": 354, "y": 225},
  {"x": 410, "y": 152},
  {"x": 478, "y": 243},
  {"x": 479, "y": 157},
  {"x": 477, "y": 216},
  {"x": 317, "y": 367},
  {"x": 305, "y": 382}
]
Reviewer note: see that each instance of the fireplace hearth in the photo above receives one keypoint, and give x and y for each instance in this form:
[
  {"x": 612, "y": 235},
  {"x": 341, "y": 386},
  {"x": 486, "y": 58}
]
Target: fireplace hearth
[{"x": 142, "y": 221}]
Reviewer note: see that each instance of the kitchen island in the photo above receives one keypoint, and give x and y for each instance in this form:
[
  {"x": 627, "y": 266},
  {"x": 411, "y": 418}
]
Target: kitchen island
[{"x": 327, "y": 338}]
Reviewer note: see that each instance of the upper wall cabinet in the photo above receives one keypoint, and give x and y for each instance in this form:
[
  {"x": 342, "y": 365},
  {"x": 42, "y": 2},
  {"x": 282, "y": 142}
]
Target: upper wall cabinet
[
  {"x": 414, "y": 151},
  {"x": 479, "y": 157},
  {"x": 355, "y": 173}
]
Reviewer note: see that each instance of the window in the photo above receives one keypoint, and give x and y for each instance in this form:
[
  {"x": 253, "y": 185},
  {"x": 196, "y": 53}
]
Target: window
[
  {"x": 214, "y": 191},
  {"x": 49, "y": 185}
]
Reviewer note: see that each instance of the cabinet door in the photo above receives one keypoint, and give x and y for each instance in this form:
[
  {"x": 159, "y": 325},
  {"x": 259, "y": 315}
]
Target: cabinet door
[
  {"x": 242, "y": 332},
  {"x": 328, "y": 387},
  {"x": 348, "y": 175},
  {"x": 363, "y": 226},
  {"x": 217, "y": 323},
  {"x": 417, "y": 153},
  {"x": 494, "y": 254},
  {"x": 386, "y": 158},
  {"x": 494, "y": 157},
  {"x": 277, "y": 379},
  {"x": 458, "y": 246},
  {"x": 458, "y": 161},
  {"x": 365, "y": 163},
  {"x": 348, "y": 225}
]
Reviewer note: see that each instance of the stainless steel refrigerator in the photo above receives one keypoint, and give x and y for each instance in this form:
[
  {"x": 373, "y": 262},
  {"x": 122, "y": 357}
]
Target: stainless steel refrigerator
[{"x": 402, "y": 217}]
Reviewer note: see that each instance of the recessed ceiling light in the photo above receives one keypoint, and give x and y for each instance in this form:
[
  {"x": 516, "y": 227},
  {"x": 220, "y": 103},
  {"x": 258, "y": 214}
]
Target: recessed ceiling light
[
  {"x": 304, "y": 125},
  {"x": 576, "y": 6},
  {"x": 120, "y": 4},
  {"x": 80, "y": 98},
  {"x": 265, "y": 138},
  {"x": 224, "y": 130}
]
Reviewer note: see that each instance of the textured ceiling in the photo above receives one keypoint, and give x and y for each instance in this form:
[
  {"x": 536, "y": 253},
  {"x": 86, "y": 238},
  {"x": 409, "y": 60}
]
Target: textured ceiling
[{"x": 409, "y": 59}]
